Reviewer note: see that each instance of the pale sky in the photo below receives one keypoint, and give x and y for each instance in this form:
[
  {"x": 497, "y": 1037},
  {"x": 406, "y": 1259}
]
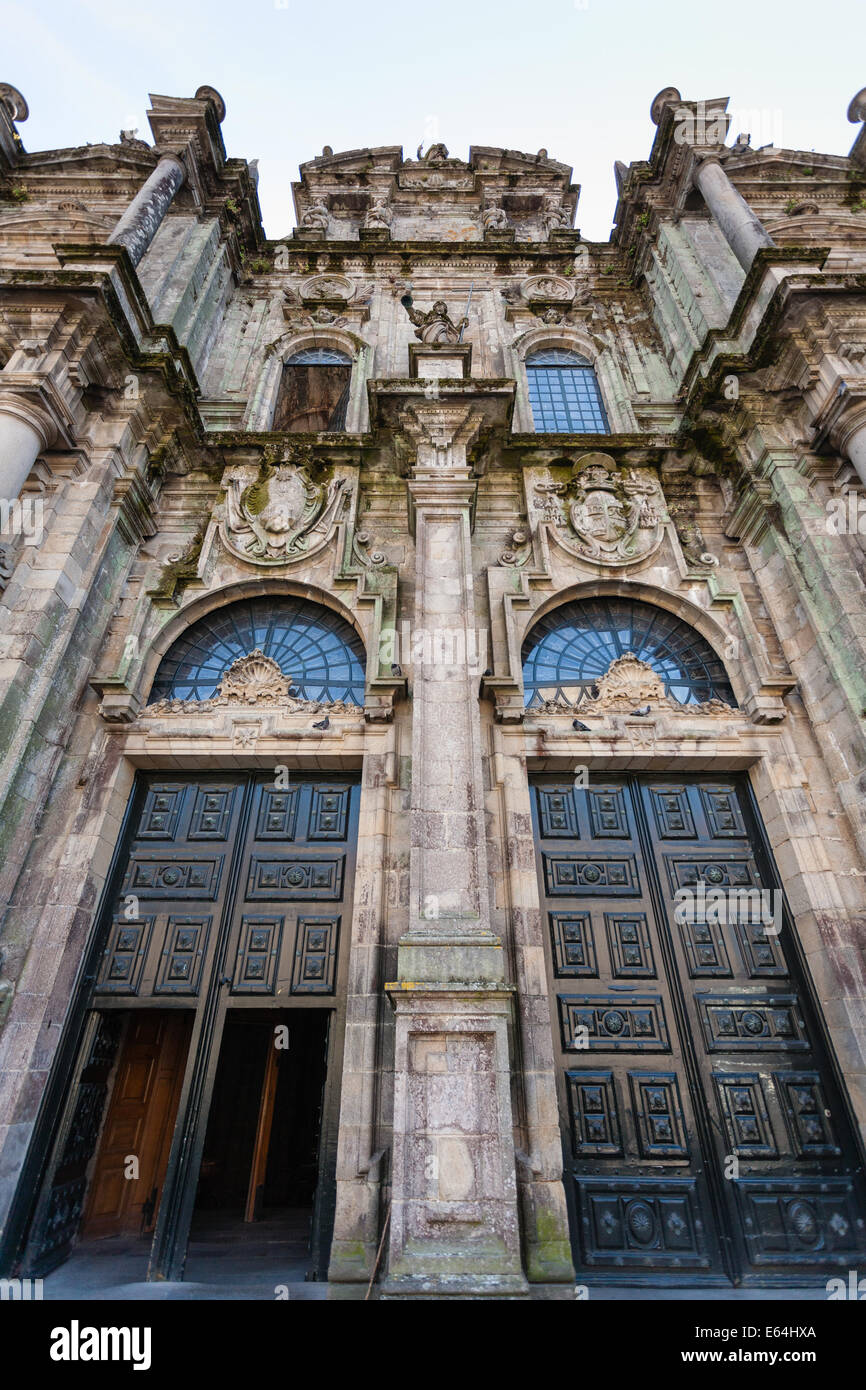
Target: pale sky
[{"x": 573, "y": 76}]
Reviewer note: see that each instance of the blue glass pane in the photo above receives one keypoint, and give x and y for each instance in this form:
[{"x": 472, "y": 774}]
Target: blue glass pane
[
  {"x": 571, "y": 647},
  {"x": 565, "y": 399},
  {"x": 317, "y": 649},
  {"x": 320, "y": 357}
]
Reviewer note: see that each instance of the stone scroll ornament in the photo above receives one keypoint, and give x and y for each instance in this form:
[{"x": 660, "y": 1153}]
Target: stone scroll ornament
[
  {"x": 608, "y": 514},
  {"x": 277, "y": 515}
]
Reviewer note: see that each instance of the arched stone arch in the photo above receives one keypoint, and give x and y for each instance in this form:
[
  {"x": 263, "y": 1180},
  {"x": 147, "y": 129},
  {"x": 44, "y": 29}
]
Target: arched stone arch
[
  {"x": 579, "y": 339},
  {"x": 527, "y": 610},
  {"x": 697, "y": 619},
  {"x": 263, "y": 401},
  {"x": 203, "y": 604}
]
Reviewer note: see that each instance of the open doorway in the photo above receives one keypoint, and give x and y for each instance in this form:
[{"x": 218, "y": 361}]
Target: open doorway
[{"x": 259, "y": 1171}]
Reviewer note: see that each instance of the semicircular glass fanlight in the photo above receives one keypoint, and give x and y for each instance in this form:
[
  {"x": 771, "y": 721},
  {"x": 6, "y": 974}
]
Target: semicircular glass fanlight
[
  {"x": 568, "y": 649},
  {"x": 316, "y": 648}
]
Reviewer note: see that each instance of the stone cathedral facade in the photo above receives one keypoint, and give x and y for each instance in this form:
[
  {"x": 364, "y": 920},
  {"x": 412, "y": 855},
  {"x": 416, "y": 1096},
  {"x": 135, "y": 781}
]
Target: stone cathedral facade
[{"x": 433, "y": 743}]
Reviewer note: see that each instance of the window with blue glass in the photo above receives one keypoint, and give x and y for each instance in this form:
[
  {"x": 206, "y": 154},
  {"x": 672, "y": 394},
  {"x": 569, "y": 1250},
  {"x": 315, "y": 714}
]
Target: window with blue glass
[
  {"x": 571, "y": 647},
  {"x": 564, "y": 394},
  {"x": 317, "y": 649}
]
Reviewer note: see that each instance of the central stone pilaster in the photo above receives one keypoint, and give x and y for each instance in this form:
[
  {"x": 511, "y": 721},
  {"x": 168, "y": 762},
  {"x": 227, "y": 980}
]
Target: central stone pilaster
[{"x": 454, "y": 1224}]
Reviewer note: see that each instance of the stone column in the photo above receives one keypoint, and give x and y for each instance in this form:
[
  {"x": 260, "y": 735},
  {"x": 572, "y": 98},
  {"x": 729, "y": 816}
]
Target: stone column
[
  {"x": 142, "y": 219},
  {"x": 454, "y": 1223},
  {"x": 24, "y": 433},
  {"x": 740, "y": 226}
]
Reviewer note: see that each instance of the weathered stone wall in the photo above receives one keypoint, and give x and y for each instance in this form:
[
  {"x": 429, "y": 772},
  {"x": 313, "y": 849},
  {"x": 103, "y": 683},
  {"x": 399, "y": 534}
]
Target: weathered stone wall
[{"x": 148, "y": 386}]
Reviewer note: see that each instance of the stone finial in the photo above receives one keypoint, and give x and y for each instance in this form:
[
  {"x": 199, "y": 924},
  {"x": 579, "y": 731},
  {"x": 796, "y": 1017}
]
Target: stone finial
[
  {"x": 857, "y": 107},
  {"x": 15, "y": 102},
  {"x": 666, "y": 97},
  {"x": 211, "y": 94}
]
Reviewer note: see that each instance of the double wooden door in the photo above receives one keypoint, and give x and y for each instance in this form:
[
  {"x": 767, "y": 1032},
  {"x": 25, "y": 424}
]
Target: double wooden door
[
  {"x": 230, "y": 892},
  {"x": 704, "y": 1133}
]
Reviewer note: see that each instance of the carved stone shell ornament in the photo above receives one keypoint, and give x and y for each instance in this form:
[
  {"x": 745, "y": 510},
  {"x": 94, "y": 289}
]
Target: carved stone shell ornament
[{"x": 253, "y": 677}]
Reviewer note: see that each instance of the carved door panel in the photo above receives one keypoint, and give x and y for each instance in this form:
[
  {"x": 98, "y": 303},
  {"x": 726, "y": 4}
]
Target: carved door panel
[
  {"x": 294, "y": 886},
  {"x": 138, "y": 1124},
  {"x": 174, "y": 889},
  {"x": 780, "y": 1139},
  {"x": 231, "y": 893},
  {"x": 638, "y": 1188},
  {"x": 681, "y": 1047}
]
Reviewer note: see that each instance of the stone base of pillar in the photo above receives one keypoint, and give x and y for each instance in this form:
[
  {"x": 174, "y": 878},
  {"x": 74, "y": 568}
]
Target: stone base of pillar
[{"x": 454, "y": 1229}]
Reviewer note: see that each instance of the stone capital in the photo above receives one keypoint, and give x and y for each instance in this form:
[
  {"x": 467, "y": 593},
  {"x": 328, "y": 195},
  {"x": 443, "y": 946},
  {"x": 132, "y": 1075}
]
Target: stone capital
[
  {"x": 31, "y": 400},
  {"x": 442, "y": 433}
]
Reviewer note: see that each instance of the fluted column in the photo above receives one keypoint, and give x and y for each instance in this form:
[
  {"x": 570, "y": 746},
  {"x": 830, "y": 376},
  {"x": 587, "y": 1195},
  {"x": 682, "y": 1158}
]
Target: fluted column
[
  {"x": 741, "y": 227},
  {"x": 142, "y": 219}
]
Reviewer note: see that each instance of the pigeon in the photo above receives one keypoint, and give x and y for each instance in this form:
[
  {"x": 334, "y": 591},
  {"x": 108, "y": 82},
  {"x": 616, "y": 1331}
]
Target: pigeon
[
  {"x": 581, "y": 728},
  {"x": 323, "y": 723},
  {"x": 294, "y": 692},
  {"x": 396, "y": 670},
  {"x": 489, "y": 671},
  {"x": 642, "y": 710}
]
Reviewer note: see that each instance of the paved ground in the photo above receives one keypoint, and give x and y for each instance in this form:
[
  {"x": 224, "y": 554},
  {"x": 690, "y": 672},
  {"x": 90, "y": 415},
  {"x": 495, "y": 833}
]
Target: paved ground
[{"x": 228, "y": 1260}]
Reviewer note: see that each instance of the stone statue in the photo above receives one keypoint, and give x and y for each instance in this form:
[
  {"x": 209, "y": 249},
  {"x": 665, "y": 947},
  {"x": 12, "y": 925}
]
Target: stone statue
[
  {"x": 495, "y": 218},
  {"x": 435, "y": 325},
  {"x": 379, "y": 215},
  {"x": 554, "y": 215},
  {"x": 316, "y": 215}
]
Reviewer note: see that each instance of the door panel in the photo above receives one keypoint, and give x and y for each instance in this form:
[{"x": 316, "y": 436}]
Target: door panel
[
  {"x": 701, "y": 1126},
  {"x": 139, "y": 1123},
  {"x": 230, "y": 894},
  {"x": 762, "y": 1064}
]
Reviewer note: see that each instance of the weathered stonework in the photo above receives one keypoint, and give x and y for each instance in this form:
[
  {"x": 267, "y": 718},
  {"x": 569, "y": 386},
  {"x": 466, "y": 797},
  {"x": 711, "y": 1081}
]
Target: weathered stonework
[{"x": 146, "y": 326}]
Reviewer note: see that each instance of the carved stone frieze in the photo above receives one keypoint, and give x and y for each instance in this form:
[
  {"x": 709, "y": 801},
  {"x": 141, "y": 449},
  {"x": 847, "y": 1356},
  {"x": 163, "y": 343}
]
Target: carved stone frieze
[{"x": 254, "y": 679}]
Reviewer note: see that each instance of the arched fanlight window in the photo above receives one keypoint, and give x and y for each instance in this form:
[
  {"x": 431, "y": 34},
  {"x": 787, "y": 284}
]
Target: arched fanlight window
[
  {"x": 564, "y": 394},
  {"x": 567, "y": 651},
  {"x": 314, "y": 392},
  {"x": 316, "y": 648}
]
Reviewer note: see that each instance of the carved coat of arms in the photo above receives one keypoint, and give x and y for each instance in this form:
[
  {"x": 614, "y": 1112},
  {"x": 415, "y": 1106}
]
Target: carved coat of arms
[
  {"x": 609, "y": 514},
  {"x": 273, "y": 516}
]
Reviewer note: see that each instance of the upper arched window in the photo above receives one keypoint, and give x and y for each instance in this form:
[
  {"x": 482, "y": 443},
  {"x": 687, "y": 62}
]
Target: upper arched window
[
  {"x": 317, "y": 649},
  {"x": 564, "y": 394},
  {"x": 314, "y": 392},
  {"x": 568, "y": 649}
]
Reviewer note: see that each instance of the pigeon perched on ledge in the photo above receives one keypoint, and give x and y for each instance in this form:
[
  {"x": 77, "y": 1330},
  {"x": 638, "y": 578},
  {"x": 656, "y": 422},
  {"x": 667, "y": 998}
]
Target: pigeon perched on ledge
[
  {"x": 581, "y": 728},
  {"x": 323, "y": 723},
  {"x": 642, "y": 710}
]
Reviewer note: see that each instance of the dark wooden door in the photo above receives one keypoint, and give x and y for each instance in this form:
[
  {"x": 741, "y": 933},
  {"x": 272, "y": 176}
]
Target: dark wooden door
[
  {"x": 231, "y": 892},
  {"x": 703, "y": 1132},
  {"x": 138, "y": 1125}
]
